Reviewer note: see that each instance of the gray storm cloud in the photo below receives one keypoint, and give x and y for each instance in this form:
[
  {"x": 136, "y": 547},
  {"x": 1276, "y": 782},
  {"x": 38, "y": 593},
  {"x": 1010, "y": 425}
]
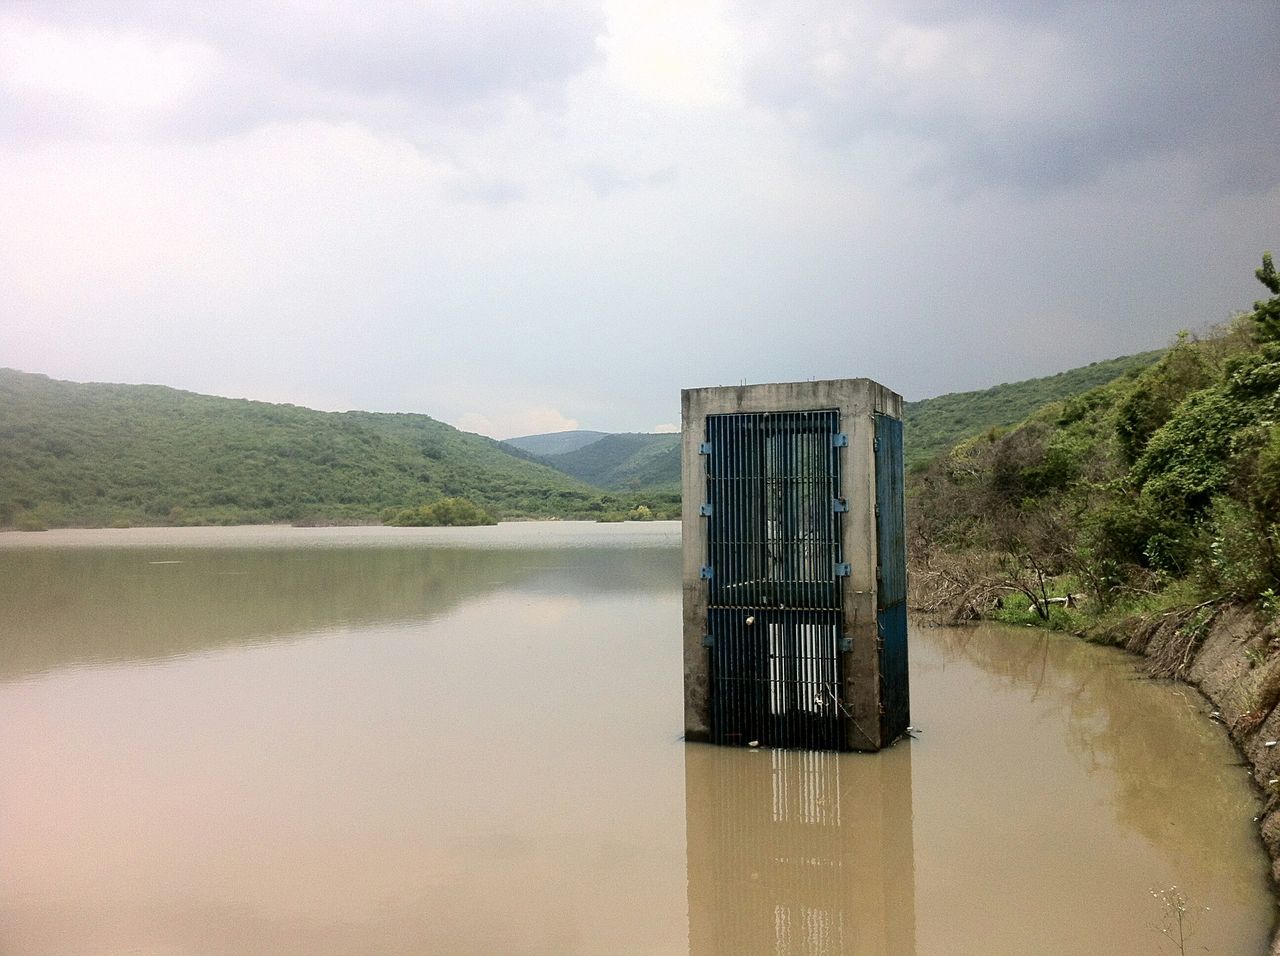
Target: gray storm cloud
[
  {"x": 1036, "y": 96},
  {"x": 506, "y": 214}
]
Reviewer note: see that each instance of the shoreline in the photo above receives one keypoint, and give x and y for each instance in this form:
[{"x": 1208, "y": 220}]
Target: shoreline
[
  {"x": 505, "y": 534},
  {"x": 1233, "y": 663},
  {"x": 1234, "y": 666}
]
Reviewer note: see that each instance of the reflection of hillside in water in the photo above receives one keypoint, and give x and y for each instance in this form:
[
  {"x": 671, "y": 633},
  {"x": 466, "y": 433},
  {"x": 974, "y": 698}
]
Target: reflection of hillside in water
[
  {"x": 1153, "y": 739},
  {"x": 799, "y": 852},
  {"x": 74, "y": 607}
]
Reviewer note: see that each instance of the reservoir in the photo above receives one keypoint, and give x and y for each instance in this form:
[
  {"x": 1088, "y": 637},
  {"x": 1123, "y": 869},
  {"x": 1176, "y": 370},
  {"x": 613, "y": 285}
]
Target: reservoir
[{"x": 468, "y": 741}]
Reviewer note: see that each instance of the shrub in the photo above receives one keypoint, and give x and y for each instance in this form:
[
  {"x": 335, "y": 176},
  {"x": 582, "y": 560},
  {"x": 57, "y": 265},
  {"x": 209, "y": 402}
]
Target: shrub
[
  {"x": 1267, "y": 311},
  {"x": 452, "y": 512},
  {"x": 1158, "y": 391},
  {"x": 1194, "y": 455},
  {"x": 1242, "y": 550},
  {"x": 1266, "y": 480},
  {"x": 28, "y": 521}
]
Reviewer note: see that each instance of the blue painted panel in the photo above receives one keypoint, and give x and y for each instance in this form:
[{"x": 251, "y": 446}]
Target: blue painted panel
[
  {"x": 891, "y": 540},
  {"x": 891, "y": 551},
  {"x": 895, "y": 694}
]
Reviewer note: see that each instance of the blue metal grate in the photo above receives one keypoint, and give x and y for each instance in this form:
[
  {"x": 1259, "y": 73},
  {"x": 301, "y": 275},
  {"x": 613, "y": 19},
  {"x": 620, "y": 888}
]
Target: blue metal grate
[{"x": 773, "y": 514}]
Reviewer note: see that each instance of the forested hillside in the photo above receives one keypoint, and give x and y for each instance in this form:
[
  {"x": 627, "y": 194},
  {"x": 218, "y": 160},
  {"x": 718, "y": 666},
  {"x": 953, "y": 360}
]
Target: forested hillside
[
  {"x": 651, "y": 461},
  {"x": 624, "y": 462},
  {"x": 554, "y": 443},
  {"x": 933, "y": 425},
  {"x": 1161, "y": 488},
  {"x": 94, "y": 455}
]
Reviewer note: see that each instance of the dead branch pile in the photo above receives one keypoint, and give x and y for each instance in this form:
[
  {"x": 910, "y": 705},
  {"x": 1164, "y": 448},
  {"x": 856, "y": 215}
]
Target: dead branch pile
[
  {"x": 956, "y": 589},
  {"x": 1170, "y": 640}
]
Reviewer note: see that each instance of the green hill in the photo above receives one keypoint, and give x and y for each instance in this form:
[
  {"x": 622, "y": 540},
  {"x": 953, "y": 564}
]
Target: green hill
[
  {"x": 650, "y": 461},
  {"x": 75, "y": 455},
  {"x": 1159, "y": 486},
  {"x": 629, "y": 461},
  {"x": 555, "y": 443},
  {"x": 933, "y": 425}
]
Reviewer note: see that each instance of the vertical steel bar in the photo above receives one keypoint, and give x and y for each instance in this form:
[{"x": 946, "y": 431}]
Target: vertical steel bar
[
  {"x": 752, "y": 519},
  {"x": 715, "y": 497},
  {"x": 793, "y": 573},
  {"x": 747, "y": 508},
  {"x": 776, "y": 440},
  {"x": 817, "y": 509},
  {"x": 766, "y": 526},
  {"x": 759, "y": 514},
  {"x": 731, "y": 505},
  {"x": 732, "y": 441},
  {"x": 813, "y": 514}
]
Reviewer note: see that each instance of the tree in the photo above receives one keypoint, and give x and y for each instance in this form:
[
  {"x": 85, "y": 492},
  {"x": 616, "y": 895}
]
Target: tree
[{"x": 1267, "y": 311}]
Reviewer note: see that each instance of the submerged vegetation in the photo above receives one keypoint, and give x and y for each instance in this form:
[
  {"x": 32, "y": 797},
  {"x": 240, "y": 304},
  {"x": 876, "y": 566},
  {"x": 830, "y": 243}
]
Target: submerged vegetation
[{"x": 1156, "y": 492}]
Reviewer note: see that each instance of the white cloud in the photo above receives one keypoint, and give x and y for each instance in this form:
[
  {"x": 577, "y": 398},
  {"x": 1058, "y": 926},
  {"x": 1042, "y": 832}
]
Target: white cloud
[
  {"x": 680, "y": 52},
  {"x": 113, "y": 75}
]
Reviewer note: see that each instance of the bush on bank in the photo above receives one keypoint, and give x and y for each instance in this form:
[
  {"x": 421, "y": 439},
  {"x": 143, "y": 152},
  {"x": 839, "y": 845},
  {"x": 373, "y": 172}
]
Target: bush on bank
[{"x": 1162, "y": 485}]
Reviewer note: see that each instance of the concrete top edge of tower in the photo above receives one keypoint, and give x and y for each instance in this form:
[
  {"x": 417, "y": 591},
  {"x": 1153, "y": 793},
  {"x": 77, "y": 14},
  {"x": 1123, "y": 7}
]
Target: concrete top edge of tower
[{"x": 786, "y": 396}]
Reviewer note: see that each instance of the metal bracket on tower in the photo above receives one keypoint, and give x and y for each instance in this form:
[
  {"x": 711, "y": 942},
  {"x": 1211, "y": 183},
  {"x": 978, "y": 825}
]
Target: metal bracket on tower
[
  {"x": 706, "y": 572},
  {"x": 704, "y": 448},
  {"x": 846, "y": 643},
  {"x": 705, "y": 510},
  {"x": 839, "y": 440},
  {"x": 708, "y": 640},
  {"x": 843, "y": 570},
  {"x": 839, "y": 505}
]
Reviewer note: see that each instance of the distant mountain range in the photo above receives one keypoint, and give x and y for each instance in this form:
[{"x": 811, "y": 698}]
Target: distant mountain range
[
  {"x": 98, "y": 455},
  {"x": 627, "y": 461},
  {"x": 631, "y": 461},
  {"x": 555, "y": 443}
]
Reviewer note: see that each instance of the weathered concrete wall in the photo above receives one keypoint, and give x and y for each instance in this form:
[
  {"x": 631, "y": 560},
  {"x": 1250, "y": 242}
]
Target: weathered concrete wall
[{"x": 858, "y": 401}]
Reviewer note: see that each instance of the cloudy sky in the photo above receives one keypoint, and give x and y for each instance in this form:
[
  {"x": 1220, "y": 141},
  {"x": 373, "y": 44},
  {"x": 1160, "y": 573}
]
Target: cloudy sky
[{"x": 528, "y": 216}]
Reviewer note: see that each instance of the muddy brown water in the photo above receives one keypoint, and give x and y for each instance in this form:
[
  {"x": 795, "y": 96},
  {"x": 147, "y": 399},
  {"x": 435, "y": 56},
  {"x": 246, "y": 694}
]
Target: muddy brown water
[{"x": 467, "y": 741}]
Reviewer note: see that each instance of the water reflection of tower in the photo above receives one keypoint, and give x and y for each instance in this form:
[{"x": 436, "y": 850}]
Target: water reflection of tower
[{"x": 799, "y": 851}]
